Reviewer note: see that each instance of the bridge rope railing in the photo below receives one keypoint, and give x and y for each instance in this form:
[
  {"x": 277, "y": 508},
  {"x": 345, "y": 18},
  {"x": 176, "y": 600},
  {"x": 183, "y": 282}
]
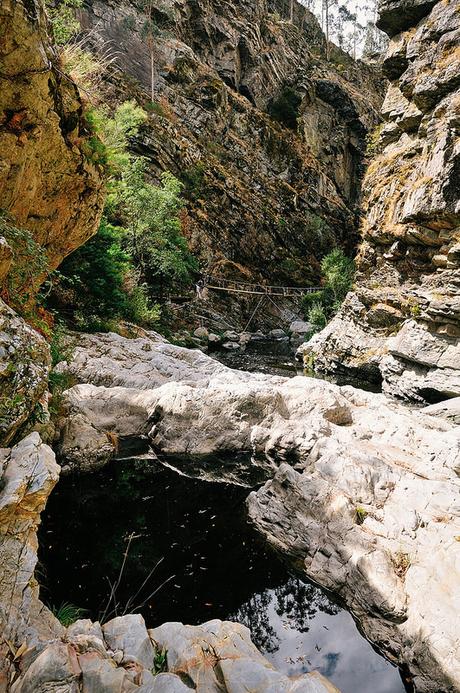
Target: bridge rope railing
[{"x": 233, "y": 286}]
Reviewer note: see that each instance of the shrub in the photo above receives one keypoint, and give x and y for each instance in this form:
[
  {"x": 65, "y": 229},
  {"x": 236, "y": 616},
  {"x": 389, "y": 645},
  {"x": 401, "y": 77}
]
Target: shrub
[
  {"x": 30, "y": 263},
  {"x": 373, "y": 141},
  {"x": 193, "y": 179},
  {"x": 337, "y": 271},
  {"x": 61, "y": 14},
  {"x": 68, "y": 613},
  {"x": 100, "y": 286},
  {"x": 317, "y": 316}
]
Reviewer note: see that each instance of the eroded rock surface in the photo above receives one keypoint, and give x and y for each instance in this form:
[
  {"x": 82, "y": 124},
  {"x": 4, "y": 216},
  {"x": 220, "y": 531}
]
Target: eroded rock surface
[
  {"x": 47, "y": 184},
  {"x": 401, "y": 323},
  {"x": 362, "y": 492},
  {"x": 24, "y": 365},
  {"x": 28, "y": 473}
]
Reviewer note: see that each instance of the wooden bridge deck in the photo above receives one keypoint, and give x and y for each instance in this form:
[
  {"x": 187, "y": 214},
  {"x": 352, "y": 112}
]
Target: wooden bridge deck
[{"x": 231, "y": 286}]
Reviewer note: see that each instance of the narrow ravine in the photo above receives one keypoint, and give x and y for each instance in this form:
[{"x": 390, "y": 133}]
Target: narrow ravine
[{"x": 213, "y": 565}]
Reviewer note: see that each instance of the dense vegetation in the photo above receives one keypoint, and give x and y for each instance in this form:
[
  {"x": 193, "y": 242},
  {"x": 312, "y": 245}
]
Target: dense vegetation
[{"x": 337, "y": 278}]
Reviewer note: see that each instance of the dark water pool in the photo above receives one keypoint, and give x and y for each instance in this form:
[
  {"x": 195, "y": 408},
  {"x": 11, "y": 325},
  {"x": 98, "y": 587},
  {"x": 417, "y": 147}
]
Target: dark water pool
[
  {"x": 287, "y": 366},
  {"x": 212, "y": 566}
]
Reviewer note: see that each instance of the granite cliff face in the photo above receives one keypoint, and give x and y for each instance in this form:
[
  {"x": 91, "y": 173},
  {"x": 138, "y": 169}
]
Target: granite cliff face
[
  {"x": 47, "y": 185},
  {"x": 265, "y": 199},
  {"x": 402, "y": 321}
]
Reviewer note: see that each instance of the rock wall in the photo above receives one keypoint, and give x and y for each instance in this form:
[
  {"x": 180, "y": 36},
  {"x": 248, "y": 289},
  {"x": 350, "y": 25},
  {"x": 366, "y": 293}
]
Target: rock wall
[
  {"x": 402, "y": 321},
  {"x": 47, "y": 184},
  {"x": 48, "y": 187},
  {"x": 28, "y": 475},
  {"x": 264, "y": 200},
  {"x": 24, "y": 366}
]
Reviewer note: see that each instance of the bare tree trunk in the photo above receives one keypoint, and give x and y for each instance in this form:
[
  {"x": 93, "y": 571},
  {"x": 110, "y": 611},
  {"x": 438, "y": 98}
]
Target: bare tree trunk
[
  {"x": 326, "y": 7},
  {"x": 292, "y": 12},
  {"x": 152, "y": 72}
]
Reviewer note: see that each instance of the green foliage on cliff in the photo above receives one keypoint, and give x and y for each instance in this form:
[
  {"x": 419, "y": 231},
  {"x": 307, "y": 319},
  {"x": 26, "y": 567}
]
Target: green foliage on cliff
[
  {"x": 152, "y": 217},
  {"x": 109, "y": 144},
  {"x": 337, "y": 271},
  {"x": 61, "y": 14},
  {"x": 29, "y": 264},
  {"x": 99, "y": 284},
  {"x": 139, "y": 252}
]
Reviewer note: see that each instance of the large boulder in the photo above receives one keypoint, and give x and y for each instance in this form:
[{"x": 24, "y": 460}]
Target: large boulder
[{"x": 219, "y": 656}]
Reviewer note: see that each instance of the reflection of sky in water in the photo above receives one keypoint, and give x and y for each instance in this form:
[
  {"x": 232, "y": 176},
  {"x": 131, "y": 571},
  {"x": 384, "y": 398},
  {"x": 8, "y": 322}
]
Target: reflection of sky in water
[{"x": 299, "y": 630}]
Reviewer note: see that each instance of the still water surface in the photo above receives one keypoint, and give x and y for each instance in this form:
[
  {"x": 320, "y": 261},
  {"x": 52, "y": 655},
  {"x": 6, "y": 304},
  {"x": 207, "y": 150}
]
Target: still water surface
[{"x": 214, "y": 566}]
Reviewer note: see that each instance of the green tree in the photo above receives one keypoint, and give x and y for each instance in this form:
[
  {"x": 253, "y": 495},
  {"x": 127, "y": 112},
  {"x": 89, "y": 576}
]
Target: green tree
[
  {"x": 99, "y": 284},
  {"x": 155, "y": 240},
  {"x": 112, "y": 134},
  {"x": 337, "y": 272}
]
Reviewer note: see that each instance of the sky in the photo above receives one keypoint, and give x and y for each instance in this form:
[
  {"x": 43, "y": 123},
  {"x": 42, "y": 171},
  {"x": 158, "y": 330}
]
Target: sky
[{"x": 365, "y": 10}]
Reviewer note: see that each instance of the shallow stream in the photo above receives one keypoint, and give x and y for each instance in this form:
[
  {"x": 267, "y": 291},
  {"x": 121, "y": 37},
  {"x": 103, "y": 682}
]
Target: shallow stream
[{"x": 210, "y": 564}]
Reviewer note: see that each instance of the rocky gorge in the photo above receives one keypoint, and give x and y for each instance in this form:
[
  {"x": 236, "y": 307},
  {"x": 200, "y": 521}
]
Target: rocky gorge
[
  {"x": 357, "y": 491},
  {"x": 265, "y": 194}
]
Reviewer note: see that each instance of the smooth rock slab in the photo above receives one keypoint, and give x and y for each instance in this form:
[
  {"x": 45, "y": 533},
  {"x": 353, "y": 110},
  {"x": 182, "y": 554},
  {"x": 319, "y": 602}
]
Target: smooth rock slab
[{"x": 219, "y": 656}]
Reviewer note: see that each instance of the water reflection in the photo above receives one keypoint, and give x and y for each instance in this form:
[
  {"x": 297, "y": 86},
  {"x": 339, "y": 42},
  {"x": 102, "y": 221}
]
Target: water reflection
[
  {"x": 299, "y": 630},
  {"x": 220, "y": 568}
]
